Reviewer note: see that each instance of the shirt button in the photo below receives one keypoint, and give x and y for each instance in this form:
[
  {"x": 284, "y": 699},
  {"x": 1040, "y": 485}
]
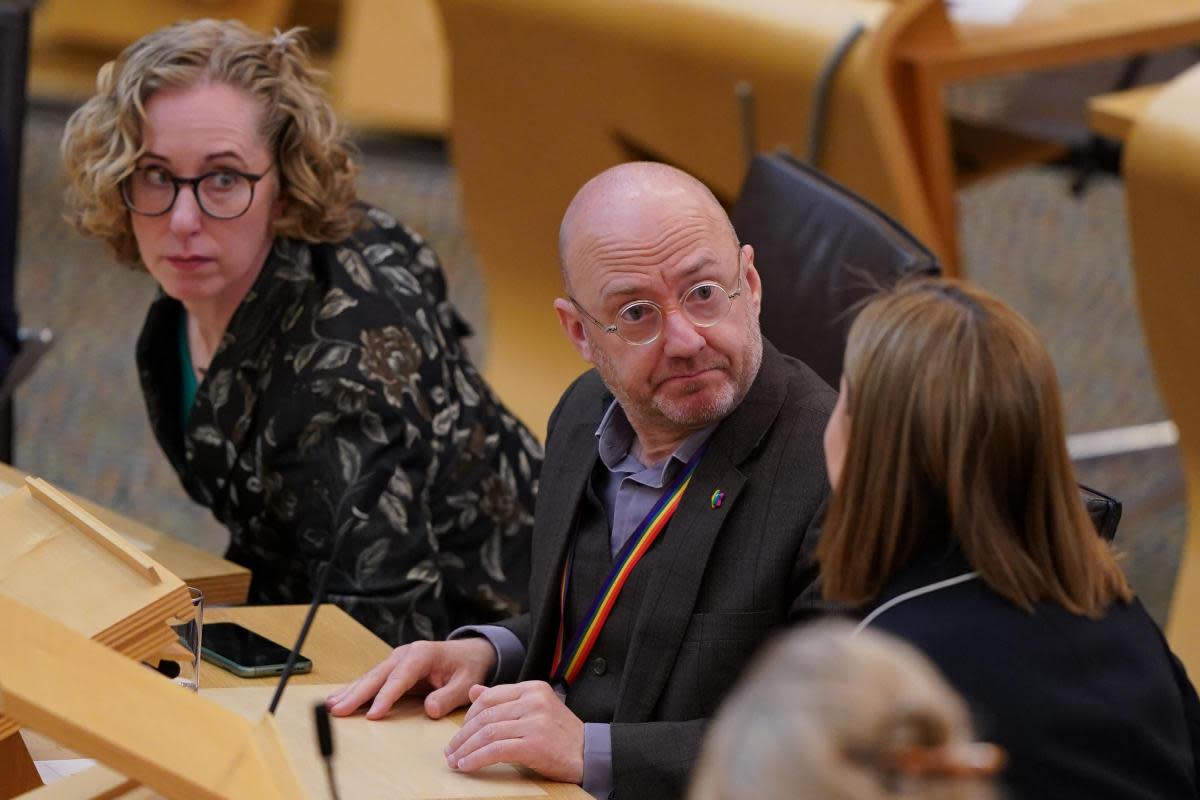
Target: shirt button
[{"x": 599, "y": 665}]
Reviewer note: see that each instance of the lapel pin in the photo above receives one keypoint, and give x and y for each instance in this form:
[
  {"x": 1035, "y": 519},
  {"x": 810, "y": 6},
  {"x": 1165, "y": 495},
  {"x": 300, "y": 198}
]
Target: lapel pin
[{"x": 718, "y": 497}]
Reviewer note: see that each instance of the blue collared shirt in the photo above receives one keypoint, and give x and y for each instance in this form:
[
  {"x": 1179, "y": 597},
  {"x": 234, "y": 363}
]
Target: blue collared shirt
[{"x": 630, "y": 488}]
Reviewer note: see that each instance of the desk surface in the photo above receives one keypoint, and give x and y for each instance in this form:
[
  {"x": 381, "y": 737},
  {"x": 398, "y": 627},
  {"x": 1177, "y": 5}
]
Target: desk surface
[
  {"x": 1048, "y": 32},
  {"x": 223, "y": 582},
  {"x": 932, "y": 52},
  {"x": 339, "y": 647}
]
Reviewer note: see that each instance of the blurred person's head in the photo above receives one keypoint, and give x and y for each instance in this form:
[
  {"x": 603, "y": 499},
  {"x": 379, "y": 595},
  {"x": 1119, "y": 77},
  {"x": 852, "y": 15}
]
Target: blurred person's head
[
  {"x": 217, "y": 101},
  {"x": 661, "y": 298},
  {"x": 827, "y": 715},
  {"x": 949, "y": 423}
]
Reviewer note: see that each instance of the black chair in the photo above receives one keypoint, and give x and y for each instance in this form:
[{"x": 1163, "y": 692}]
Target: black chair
[
  {"x": 820, "y": 251},
  {"x": 1104, "y": 511}
]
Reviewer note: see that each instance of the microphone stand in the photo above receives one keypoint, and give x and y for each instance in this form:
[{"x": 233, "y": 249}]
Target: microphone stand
[
  {"x": 324, "y": 731},
  {"x": 318, "y": 597},
  {"x": 325, "y": 744}
]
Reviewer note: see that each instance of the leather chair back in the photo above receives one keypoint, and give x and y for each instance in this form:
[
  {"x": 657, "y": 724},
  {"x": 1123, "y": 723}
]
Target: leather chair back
[
  {"x": 1104, "y": 511},
  {"x": 820, "y": 251}
]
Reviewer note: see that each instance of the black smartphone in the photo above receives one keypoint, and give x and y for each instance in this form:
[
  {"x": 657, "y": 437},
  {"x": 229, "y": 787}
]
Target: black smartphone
[{"x": 244, "y": 652}]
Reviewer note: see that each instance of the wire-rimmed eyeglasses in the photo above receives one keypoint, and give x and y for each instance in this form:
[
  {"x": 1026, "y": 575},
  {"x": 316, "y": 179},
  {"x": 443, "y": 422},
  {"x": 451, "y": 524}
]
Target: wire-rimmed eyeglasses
[
  {"x": 640, "y": 322},
  {"x": 221, "y": 194}
]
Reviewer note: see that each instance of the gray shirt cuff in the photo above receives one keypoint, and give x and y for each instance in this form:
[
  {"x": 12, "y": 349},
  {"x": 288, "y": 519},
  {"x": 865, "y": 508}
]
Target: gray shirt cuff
[
  {"x": 597, "y": 759},
  {"x": 510, "y": 653}
]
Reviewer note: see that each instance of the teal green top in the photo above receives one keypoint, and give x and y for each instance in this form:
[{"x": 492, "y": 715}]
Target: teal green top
[{"x": 190, "y": 386}]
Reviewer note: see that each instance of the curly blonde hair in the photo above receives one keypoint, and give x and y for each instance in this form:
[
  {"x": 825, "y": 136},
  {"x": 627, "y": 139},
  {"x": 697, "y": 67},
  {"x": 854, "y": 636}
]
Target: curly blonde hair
[{"x": 103, "y": 138}]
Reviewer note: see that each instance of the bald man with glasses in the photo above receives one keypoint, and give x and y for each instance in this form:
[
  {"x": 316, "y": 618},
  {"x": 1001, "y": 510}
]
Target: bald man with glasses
[{"x": 683, "y": 482}]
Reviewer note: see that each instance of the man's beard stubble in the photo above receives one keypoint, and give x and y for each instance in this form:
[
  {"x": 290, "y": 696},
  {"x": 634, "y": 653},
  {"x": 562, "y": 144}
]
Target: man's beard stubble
[{"x": 725, "y": 400}]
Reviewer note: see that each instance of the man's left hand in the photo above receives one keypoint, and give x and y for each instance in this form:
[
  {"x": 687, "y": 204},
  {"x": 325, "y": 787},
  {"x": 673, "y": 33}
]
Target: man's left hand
[{"x": 519, "y": 723}]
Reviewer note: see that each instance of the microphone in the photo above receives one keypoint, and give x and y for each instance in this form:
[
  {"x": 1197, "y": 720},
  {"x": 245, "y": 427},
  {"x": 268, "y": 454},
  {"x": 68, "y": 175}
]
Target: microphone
[
  {"x": 318, "y": 597},
  {"x": 325, "y": 743}
]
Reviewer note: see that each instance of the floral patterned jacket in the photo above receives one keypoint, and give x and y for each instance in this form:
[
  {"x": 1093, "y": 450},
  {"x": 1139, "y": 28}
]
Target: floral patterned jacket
[{"x": 341, "y": 402}]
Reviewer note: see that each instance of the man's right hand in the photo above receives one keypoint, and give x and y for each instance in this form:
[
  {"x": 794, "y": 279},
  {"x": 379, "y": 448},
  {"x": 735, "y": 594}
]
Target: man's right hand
[{"x": 451, "y": 668}]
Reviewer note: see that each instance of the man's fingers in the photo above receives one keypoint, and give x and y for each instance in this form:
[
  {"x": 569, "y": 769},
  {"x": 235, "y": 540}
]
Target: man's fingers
[
  {"x": 524, "y": 723},
  {"x": 492, "y": 696},
  {"x": 385, "y": 678},
  {"x": 455, "y": 693},
  {"x": 458, "y": 665},
  {"x": 334, "y": 698},
  {"x": 484, "y": 736},
  {"x": 403, "y": 678},
  {"x": 506, "y": 751},
  {"x": 499, "y": 712},
  {"x": 350, "y": 697}
]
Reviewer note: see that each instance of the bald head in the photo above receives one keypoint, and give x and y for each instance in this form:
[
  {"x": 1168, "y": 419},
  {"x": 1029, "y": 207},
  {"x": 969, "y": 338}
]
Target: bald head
[
  {"x": 639, "y": 243},
  {"x": 625, "y": 200}
]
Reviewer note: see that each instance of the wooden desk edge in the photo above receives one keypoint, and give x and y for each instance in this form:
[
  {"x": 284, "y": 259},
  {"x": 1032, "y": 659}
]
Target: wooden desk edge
[
  {"x": 1114, "y": 114},
  {"x": 223, "y": 582},
  {"x": 273, "y": 621},
  {"x": 960, "y": 51}
]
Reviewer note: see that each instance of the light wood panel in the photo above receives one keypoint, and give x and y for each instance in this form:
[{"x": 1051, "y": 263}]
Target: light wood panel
[
  {"x": 341, "y": 650},
  {"x": 223, "y": 582},
  {"x": 59, "y": 559},
  {"x": 1114, "y": 114},
  {"x": 391, "y": 70},
  {"x": 399, "y": 756},
  {"x": 1048, "y": 33},
  {"x": 107, "y": 707},
  {"x": 933, "y": 52},
  {"x": 1162, "y": 189},
  {"x": 72, "y": 39},
  {"x": 17, "y": 773},
  {"x": 97, "y": 783}
]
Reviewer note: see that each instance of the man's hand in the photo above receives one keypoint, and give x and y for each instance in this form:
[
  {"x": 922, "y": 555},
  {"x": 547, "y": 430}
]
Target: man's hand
[
  {"x": 451, "y": 668},
  {"x": 519, "y": 723}
]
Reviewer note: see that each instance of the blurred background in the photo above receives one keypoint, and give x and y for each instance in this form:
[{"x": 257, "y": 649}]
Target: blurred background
[{"x": 474, "y": 121}]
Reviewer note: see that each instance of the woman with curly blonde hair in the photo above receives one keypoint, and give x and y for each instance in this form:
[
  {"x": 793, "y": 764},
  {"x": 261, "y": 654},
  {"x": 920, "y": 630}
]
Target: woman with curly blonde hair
[{"x": 302, "y": 366}]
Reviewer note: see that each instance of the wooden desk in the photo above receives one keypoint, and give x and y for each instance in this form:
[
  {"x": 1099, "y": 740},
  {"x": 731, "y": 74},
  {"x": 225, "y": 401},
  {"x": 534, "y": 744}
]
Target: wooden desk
[
  {"x": 934, "y": 52},
  {"x": 340, "y": 648},
  {"x": 223, "y": 582},
  {"x": 1114, "y": 114}
]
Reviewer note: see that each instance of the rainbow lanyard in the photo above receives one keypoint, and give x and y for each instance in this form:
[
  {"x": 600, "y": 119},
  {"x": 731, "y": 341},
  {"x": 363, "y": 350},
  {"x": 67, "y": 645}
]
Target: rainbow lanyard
[{"x": 566, "y": 669}]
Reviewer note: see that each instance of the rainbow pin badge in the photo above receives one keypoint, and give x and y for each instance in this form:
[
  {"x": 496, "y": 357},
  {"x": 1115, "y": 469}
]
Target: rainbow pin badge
[{"x": 718, "y": 497}]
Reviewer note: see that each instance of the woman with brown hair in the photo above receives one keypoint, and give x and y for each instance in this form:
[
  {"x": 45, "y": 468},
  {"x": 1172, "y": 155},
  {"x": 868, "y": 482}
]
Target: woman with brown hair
[
  {"x": 302, "y": 365},
  {"x": 956, "y": 524},
  {"x": 823, "y": 714}
]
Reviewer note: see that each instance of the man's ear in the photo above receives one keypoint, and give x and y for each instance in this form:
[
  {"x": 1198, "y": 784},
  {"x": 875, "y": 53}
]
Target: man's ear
[
  {"x": 572, "y": 324},
  {"x": 753, "y": 281}
]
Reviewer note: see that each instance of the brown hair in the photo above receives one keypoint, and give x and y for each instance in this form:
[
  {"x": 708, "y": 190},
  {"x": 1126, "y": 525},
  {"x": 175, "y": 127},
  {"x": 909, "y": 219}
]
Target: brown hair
[
  {"x": 956, "y": 427},
  {"x": 824, "y": 714},
  {"x": 103, "y": 138}
]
